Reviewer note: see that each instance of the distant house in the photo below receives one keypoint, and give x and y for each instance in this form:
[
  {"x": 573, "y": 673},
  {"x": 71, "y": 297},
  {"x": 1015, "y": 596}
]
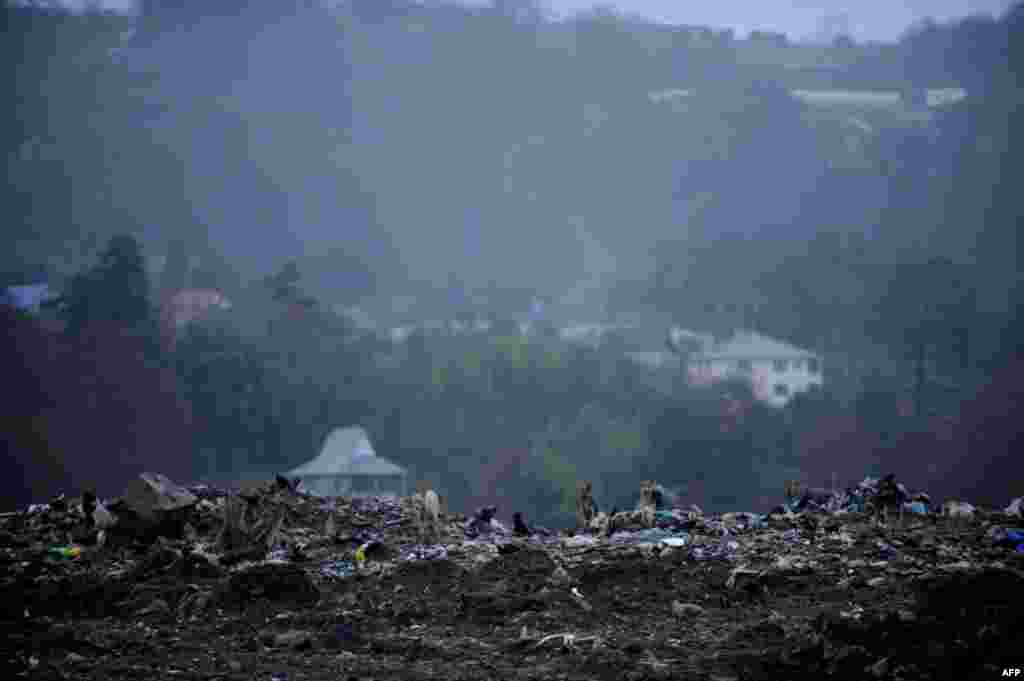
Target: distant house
[
  {"x": 775, "y": 370},
  {"x": 348, "y": 466}
]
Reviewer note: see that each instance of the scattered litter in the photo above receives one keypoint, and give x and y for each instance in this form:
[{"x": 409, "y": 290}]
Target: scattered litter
[
  {"x": 724, "y": 550},
  {"x": 423, "y": 552},
  {"x": 676, "y": 542},
  {"x": 66, "y": 551},
  {"x": 1009, "y": 538},
  {"x": 483, "y": 524},
  {"x": 581, "y": 600},
  {"x": 568, "y": 641},
  {"x": 304, "y": 587},
  {"x": 337, "y": 569},
  {"x": 686, "y": 610},
  {"x": 649, "y": 536},
  {"x": 916, "y": 507},
  {"x": 885, "y": 551},
  {"x": 958, "y": 509},
  {"x": 579, "y": 540}
]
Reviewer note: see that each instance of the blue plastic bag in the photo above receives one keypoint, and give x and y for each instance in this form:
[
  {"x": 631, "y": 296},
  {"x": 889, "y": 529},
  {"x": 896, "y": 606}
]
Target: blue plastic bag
[{"x": 1011, "y": 539}]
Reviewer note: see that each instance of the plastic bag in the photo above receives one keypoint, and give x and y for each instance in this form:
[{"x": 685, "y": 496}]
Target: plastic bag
[{"x": 71, "y": 552}]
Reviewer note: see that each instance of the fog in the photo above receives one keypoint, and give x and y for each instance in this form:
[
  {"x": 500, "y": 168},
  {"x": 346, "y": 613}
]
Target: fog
[{"x": 336, "y": 171}]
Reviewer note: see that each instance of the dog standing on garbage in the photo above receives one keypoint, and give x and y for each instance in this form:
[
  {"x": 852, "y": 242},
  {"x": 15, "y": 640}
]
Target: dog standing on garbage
[
  {"x": 799, "y": 496},
  {"x": 648, "y": 502},
  {"x": 890, "y": 498},
  {"x": 586, "y": 509},
  {"x": 958, "y": 512},
  {"x": 428, "y": 514},
  {"x": 792, "y": 490}
]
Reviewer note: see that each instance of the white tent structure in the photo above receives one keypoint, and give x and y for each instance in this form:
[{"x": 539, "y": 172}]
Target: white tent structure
[{"x": 348, "y": 466}]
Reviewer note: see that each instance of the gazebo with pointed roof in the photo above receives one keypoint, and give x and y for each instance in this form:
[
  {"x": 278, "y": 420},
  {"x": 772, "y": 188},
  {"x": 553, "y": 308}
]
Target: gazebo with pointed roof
[{"x": 348, "y": 466}]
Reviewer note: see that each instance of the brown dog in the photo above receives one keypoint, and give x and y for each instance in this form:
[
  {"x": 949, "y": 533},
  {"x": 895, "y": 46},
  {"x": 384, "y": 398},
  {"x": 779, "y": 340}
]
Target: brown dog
[
  {"x": 428, "y": 514},
  {"x": 585, "y": 508},
  {"x": 792, "y": 489},
  {"x": 648, "y": 502}
]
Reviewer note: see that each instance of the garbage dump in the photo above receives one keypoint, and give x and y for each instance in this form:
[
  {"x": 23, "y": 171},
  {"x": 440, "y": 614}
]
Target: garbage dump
[{"x": 270, "y": 582}]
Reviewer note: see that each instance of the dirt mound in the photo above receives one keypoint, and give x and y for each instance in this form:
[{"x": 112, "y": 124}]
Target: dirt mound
[
  {"x": 432, "y": 573},
  {"x": 523, "y": 571},
  {"x": 277, "y": 583},
  {"x": 78, "y": 595},
  {"x": 841, "y": 597},
  {"x": 959, "y": 628}
]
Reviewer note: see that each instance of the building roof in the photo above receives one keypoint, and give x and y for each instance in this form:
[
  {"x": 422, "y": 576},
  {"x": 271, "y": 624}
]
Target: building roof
[
  {"x": 753, "y": 346},
  {"x": 347, "y": 451}
]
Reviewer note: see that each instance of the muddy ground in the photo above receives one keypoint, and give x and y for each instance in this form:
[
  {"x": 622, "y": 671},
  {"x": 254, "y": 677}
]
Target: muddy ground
[{"x": 835, "y": 598}]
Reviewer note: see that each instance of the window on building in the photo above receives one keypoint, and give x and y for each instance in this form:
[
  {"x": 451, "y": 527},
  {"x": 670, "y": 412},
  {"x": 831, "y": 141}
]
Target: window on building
[
  {"x": 781, "y": 389},
  {"x": 798, "y": 364},
  {"x": 780, "y": 365},
  {"x": 744, "y": 365},
  {"x": 813, "y": 365}
]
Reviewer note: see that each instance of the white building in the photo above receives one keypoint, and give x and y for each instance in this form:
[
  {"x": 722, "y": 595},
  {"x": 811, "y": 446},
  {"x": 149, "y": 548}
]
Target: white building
[{"x": 775, "y": 370}]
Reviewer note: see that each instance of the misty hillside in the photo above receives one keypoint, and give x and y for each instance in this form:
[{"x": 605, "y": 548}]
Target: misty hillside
[{"x": 322, "y": 175}]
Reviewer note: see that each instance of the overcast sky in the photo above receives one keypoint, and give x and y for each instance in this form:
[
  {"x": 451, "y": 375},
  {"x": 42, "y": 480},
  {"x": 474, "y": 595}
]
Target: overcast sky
[{"x": 868, "y": 19}]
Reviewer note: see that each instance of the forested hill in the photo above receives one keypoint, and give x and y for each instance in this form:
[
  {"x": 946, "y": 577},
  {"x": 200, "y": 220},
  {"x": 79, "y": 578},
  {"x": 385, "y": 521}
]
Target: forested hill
[{"x": 399, "y": 149}]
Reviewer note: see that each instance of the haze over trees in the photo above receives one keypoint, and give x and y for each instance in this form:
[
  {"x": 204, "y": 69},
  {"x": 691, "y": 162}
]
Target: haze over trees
[{"x": 477, "y": 156}]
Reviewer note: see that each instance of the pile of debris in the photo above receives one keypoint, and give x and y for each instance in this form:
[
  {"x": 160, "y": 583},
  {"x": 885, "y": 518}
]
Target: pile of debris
[{"x": 268, "y": 582}]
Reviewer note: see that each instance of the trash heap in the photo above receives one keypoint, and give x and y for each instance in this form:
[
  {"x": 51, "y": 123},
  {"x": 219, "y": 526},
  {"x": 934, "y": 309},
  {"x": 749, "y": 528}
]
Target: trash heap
[
  {"x": 869, "y": 493},
  {"x": 267, "y": 582}
]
